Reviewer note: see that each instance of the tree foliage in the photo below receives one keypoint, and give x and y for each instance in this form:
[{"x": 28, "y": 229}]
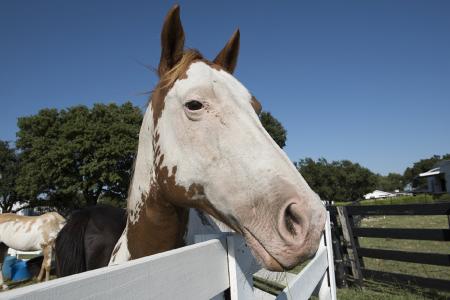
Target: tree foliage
[
  {"x": 337, "y": 180},
  {"x": 74, "y": 156},
  {"x": 274, "y": 128},
  {"x": 9, "y": 166},
  {"x": 390, "y": 183}
]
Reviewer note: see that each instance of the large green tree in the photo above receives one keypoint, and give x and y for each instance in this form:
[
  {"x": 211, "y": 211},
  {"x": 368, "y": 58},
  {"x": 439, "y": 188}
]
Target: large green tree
[
  {"x": 9, "y": 167},
  {"x": 337, "y": 180},
  {"x": 274, "y": 128},
  {"x": 73, "y": 157}
]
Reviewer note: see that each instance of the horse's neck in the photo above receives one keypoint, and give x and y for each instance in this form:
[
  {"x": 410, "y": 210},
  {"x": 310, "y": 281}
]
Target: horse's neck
[{"x": 153, "y": 225}]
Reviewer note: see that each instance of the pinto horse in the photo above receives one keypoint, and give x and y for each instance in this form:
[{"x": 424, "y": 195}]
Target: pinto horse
[
  {"x": 202, "y": 146},
  {"x": 30, "y": 234}
]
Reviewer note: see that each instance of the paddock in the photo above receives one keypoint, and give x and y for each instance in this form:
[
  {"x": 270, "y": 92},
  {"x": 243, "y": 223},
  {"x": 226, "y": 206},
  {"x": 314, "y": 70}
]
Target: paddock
[{"x": 204, "y": 270}]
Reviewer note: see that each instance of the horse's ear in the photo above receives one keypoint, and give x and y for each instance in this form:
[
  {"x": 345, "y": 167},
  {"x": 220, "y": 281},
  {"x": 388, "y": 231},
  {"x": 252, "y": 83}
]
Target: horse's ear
[
  {"x": 227, "y": 58},
  {"x": 172, "y": 41}
]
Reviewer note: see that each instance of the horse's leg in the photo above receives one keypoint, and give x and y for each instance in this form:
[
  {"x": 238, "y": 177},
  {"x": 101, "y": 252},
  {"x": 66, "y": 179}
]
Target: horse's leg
[
  {"x": 41, "y": 272},
  {"x": 46, "y": 262},
  {"x": 3, "y": 251}
]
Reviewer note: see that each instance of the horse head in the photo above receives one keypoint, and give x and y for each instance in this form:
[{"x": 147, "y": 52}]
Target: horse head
[{"x": 202, "y": 146}]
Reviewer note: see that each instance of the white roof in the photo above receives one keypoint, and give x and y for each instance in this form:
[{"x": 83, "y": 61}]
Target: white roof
[
  {"x": 377, "y": 194},
  {"x": 431, "y": 172}
]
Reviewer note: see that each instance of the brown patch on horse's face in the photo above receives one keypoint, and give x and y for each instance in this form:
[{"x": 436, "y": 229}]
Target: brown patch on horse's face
[{"x": 168, "y": 79}]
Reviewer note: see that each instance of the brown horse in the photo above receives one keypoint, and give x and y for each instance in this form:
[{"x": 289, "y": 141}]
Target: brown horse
[
  {"x": 202, "y": 146},
  {"x": 30, "y": 234}
]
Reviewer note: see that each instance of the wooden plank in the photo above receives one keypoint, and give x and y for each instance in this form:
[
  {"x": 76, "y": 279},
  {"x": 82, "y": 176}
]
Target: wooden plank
[
  {"x": 409, "y": 234},
  {"x": 396, "y": 278},
  {"x": 414, "y": 257},
  {"x": 351, "y": 220},
  {"x": 330, "y": 272},
  {"x": 351, "y": 247},
  {"x": 306, "y": 281},
  {"x": 402, "y": 209},
  {"x": 341, "y": 274},
  {"x": 183, "y": 273},
  {"x": 241, "y": 266}
]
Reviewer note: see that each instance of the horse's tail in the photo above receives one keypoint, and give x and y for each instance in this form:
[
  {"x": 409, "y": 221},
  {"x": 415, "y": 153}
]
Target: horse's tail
[{"x": 69, "y": 245}]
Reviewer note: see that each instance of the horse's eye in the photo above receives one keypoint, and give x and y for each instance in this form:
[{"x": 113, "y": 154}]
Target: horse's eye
[{"x": 193, "y": 105}]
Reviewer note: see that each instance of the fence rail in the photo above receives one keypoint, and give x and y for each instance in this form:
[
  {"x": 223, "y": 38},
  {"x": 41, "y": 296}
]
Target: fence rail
[
  {"x": 407, "y": 234},
  {"x": 161, "y": 276}
]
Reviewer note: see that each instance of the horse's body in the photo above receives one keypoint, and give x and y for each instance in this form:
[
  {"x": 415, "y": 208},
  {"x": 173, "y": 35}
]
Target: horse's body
[
  {"x": 30, "y": 234},
  {"x": 202, "y": 146},
  {"x": 87, "y": 240}
]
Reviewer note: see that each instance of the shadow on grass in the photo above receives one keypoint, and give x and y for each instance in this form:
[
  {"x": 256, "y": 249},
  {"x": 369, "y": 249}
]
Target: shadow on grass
[{"x": 381, "y": 290}]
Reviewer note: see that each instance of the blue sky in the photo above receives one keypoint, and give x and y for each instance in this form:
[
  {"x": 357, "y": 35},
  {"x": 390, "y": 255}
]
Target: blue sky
[{"x": 367, "y": 81}]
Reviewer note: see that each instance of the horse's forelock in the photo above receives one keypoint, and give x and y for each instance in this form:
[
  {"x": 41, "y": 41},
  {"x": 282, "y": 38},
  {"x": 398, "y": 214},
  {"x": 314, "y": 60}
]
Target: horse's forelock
[{"x": 168, "y": 79}]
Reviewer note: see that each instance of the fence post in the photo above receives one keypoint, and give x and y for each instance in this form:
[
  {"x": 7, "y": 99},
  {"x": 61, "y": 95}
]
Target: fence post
[
  {"x": 350, "y": 243},
  {"x": 341, "y": 272}
]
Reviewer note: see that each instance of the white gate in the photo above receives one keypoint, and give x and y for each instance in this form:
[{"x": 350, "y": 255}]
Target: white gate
[{"x": 200, "y": 271}]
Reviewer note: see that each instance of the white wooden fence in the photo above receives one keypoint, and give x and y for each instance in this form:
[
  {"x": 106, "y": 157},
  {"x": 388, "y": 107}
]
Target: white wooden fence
[{"x": 200, "y": 271}]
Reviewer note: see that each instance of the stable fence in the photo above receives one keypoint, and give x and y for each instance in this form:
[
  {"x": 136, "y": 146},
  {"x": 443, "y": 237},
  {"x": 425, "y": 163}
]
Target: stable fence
[
  {"x": 349, "y": 254},
  {"x": 206, "y": 270}
]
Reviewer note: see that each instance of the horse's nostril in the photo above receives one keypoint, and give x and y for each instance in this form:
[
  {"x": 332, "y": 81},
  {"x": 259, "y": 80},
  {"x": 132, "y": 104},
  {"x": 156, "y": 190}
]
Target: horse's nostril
[{"x": 291, "y": 220}]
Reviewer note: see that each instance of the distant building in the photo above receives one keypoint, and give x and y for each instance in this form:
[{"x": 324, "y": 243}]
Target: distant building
[
  {"x": 438, "y": 178},
  {"x": 378, "y": 194}
]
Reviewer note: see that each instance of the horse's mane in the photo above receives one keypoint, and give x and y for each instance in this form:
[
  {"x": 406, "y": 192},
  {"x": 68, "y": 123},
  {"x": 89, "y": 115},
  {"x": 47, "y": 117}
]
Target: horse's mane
[{"x": 178, "y": 71}]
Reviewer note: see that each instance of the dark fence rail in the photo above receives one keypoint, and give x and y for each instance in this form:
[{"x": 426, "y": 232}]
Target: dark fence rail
[
  {"x": 406, "y": 234},
  {"x": 406, "y": 256},
  {"x": 350, "y": 254}
]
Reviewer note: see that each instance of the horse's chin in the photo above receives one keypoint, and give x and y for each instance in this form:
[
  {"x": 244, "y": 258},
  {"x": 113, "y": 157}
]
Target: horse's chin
[{"x": 261, "y": 254}]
